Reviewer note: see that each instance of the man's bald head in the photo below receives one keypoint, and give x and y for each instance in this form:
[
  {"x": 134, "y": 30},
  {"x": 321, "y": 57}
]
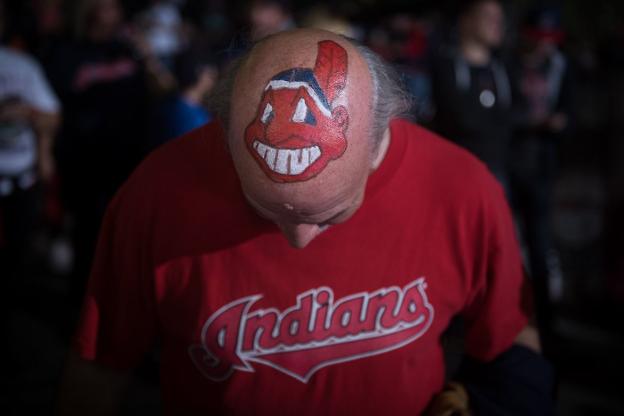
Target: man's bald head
[
  {"x": 306, "y": 103},
  {"x": 302, "y": 119}
]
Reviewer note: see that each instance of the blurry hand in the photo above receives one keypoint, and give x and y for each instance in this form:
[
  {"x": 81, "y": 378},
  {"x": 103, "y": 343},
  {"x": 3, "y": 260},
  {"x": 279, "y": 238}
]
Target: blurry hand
[
  {"x": 14, "y": 110},
  {"x": 452, "y": 401}
]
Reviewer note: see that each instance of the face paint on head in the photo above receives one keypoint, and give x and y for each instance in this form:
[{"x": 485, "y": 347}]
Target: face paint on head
[{"x": 296, "y": 132}]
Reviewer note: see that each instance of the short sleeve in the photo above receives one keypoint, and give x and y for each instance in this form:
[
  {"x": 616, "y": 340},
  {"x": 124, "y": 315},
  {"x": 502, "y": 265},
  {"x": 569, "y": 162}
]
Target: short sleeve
[
  {"x": 40, "y": 94},
  {"x": 118, "y": 324},
  {"x": 499, "y": 305}
]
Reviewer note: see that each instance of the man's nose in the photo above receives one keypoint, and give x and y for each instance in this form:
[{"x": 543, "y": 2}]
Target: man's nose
[{"x": 300, "y": 235}]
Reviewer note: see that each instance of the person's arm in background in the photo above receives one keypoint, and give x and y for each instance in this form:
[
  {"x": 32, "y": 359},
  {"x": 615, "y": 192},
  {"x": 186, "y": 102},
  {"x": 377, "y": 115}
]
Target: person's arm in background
[
  {"x": 45, "y": 126},
  {"x": 44, "y": 123},
  {"x": 43, "y": 115},
  {"x": 561, "y": 120},
  {"x": 160, "y": 79}
]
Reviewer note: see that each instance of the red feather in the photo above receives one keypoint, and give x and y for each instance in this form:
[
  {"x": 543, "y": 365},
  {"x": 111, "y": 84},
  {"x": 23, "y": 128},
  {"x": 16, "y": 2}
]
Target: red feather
[{"x": 331, "y": 68}]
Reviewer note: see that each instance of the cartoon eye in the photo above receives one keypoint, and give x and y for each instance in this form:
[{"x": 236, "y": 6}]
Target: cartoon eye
[
  {"x": 268, "y": 114},
  {"x": 302, "y": 115}
]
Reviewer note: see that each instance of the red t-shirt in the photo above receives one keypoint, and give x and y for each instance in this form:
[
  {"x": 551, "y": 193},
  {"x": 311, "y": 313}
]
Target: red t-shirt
[{"x": 349, "y": 325}]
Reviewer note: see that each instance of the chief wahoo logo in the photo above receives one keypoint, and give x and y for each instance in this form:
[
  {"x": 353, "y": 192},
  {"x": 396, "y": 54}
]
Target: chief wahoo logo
[{"x": 297, "y": 130}]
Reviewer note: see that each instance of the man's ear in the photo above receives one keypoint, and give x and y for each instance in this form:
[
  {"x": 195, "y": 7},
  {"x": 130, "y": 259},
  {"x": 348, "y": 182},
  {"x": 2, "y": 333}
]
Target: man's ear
[
  {"x": 340, "y": 117},
  {"x": 382, "y": 148}
]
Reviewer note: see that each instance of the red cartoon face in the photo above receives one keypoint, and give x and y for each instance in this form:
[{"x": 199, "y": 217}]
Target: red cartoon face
[
  {"x": 296, "y": 132},
  {"x": 291, "y": 138}
]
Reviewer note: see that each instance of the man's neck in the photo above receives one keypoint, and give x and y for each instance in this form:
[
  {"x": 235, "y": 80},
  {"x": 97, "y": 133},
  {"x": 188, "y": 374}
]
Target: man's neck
[{"x": 474, "y": 52}]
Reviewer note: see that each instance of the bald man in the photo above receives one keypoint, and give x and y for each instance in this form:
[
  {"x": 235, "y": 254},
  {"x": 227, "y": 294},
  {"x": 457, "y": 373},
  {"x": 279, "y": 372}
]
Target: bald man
[{"x": 307, "y": 258}]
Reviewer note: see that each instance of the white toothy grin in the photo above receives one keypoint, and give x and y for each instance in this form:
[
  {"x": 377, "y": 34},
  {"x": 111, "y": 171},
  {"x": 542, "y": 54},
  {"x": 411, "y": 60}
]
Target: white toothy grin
[{"x": 287, "y": 161}]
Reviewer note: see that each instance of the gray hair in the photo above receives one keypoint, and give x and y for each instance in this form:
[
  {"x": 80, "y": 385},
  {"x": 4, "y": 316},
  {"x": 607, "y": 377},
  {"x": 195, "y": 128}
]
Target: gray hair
[{"x": 390, "y": 98}]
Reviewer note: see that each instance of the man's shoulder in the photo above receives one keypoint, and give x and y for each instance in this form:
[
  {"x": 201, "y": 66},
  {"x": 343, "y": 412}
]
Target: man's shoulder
[
  {"x": 188, "y": 153},
  {"x": 412, "y": 130},
  {"x": 185, "y": 195},
  {"x": 436, "y": 150},
  {"x": 436, "y": 162},
  {"x": 181, "y": 165}
]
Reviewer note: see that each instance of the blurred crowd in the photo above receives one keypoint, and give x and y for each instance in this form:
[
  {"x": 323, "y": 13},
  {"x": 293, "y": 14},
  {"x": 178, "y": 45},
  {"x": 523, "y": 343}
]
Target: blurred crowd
[{"x": 89, "y": 87}]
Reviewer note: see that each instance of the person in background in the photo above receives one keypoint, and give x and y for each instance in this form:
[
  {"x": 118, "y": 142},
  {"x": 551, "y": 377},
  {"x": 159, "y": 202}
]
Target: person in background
[
  {"x": 104, "y": 83},
  {"x": 162, "y": 29},
  {"x": 325, "y": 17},
  {"x": 29, "y": 116},
  {"x": 406, "y": 41},
  {"x": 471, "y": 88},
  {"x": 267, "y": 17},
  {"x": 542, "y": 80},
  {"x": 196, "y": 73}
]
